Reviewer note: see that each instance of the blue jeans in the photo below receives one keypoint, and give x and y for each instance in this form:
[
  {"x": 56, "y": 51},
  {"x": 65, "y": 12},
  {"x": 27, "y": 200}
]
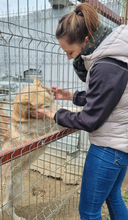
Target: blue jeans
[{"x": 103, "y": 174}]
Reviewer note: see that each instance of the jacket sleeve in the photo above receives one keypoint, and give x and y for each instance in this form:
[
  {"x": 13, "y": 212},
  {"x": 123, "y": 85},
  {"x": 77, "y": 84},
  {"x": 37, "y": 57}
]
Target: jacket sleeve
[
  {"x": 79, "y": 98},
  {"x": 107, "y": 84}
]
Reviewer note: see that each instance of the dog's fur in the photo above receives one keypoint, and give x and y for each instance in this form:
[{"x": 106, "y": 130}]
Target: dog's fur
[
  {"x": 4, "y": 122},
  {"x": 24, "y": 128}
]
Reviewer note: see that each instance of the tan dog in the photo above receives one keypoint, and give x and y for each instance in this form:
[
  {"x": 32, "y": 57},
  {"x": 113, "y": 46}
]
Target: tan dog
[{"x": 23, "y": 129}]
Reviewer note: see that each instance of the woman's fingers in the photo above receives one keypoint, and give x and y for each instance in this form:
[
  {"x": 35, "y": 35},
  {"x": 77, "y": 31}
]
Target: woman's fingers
[
  {"x": 37, "y": 113},
  {"x": 40, "y": 113}
]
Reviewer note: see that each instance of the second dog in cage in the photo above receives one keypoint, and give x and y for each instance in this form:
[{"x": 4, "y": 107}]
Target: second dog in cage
[{"x": 24, "y": 128}]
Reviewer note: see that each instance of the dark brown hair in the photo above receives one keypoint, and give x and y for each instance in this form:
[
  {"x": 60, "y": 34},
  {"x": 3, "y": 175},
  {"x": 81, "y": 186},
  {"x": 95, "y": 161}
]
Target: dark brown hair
[{"x": 78, "y": 24}]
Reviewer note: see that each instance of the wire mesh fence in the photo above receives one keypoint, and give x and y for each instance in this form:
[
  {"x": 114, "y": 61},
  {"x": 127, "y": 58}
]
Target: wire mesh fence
[{"x": 41, "y": 163}]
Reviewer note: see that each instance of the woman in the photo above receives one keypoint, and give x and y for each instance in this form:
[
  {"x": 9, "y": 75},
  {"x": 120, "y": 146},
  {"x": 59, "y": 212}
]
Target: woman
[{"x": 100, "y": 59}]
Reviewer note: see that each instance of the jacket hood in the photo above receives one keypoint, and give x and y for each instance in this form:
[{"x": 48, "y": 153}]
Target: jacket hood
[
  {"x": 114, "y": 46},
  {"x": 100, "y": 34}
]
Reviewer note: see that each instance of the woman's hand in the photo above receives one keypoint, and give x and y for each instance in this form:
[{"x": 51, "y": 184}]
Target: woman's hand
[
  {"x": 40, "y": 113},
  {"x": 62, "y": 94}
]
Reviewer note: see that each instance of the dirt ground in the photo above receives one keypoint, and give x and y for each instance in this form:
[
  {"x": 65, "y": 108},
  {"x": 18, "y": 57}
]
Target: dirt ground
[{"x": 49, "y": 194}]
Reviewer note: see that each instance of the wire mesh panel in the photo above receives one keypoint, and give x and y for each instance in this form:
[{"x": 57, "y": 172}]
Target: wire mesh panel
[{"x": 41, "y": 163}]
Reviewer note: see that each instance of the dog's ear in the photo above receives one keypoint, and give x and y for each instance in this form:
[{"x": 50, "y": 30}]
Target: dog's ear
[{"x": 37, "y": 82}]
